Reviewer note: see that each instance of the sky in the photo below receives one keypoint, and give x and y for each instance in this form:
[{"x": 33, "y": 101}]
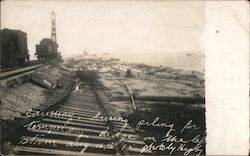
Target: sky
[{"x": 139, "y": 27}]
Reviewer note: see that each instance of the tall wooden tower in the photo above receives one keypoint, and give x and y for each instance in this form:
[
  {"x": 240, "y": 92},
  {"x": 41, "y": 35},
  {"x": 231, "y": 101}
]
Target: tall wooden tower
[{"x": 53, "y": 26}]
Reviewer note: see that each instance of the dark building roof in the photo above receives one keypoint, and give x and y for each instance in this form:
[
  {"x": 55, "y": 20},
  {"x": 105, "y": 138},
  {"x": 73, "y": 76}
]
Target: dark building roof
[{"x": 5, "y": 30}]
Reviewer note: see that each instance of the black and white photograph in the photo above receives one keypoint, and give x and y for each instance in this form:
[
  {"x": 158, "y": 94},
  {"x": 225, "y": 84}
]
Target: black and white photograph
[{"x": 103, "y": 77}]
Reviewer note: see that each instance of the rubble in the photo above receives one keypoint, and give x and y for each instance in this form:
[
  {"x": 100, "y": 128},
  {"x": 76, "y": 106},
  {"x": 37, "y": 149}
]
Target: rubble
[
  {"x": 16, "y": 100},
  {"x": 27, "y": 95},
  {"x": 144, "y": 80}
]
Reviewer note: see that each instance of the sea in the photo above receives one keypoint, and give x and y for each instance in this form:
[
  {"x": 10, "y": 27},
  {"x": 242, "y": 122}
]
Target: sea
[
  {"x": 184, "y": 61},
  {"x": 193, "y": 62}
]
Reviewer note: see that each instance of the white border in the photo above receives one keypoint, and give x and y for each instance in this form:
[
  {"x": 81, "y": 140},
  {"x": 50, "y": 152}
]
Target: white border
[{"x": 227, "y": 77}]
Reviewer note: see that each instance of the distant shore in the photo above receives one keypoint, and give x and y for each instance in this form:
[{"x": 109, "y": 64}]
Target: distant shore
[{"x": 194, "y": 62}]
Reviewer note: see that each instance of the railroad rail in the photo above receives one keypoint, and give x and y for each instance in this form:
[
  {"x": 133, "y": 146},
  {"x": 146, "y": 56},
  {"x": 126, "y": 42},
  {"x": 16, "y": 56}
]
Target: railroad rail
[
  {"x": 130, "y": 94},
  {"x": 79, "y": 126},
  {"x": 26, "y": 64},
  {"x": 19, "y": 71}
]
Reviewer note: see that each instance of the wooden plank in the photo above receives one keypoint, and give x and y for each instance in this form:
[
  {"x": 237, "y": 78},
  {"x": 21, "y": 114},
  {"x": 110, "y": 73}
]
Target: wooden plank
[
  {"x": 82, "y": 106},
  {"x": 121, "y": 124},
  {"x": 76, "y": 124},
  {"x": 77, "y": 120},
  {"x": 129, "y": 131},
  {"x": 91, "y": 105},
  {"x": 76, "y": 117},
  {"x": 65, "y": 142},
  {"x": 135, "y": 142},
  {"x": 88, "y": 136},
  {"x": 137, "y": 151},
  {"x": 81, "y": 112},
  {"x": 82, "y": 99},
  {"x": 73, "y": 128},
  {"x": 80, "y": 109},
  {"x": 56, "y": 152}
]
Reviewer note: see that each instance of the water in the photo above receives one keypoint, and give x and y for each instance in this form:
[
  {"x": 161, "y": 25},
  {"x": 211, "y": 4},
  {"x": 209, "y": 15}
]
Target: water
[
  {"x": 185, "y": 62},
  {"x": 194, "y": 62}
]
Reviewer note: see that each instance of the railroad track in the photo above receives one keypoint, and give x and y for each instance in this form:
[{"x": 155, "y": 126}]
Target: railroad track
[
  {"x": 19, "y": 71},
  {"x": 25, "y": 65},
  {"x": 79, "y": 126}
]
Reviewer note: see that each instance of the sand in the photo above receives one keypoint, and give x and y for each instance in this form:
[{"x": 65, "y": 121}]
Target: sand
[{"x": 17, "y": 100}]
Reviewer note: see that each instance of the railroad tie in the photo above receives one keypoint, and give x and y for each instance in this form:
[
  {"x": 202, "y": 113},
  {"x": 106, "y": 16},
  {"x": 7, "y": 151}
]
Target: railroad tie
[{"x": 76, "y": 127}]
